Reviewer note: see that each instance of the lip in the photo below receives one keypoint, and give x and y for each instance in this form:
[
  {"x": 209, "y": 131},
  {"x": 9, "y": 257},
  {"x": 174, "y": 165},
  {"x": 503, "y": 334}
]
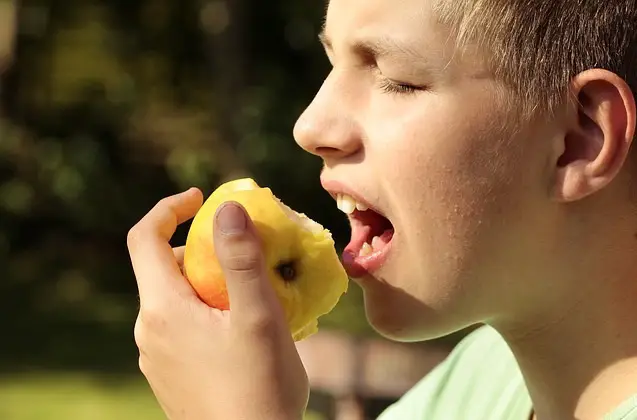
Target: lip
[{"x": 355, "y": 265}]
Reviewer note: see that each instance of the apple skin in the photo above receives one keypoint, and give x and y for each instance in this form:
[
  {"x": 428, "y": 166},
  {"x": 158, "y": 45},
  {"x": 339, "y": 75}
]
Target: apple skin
[{"x": 300, "y": 257}]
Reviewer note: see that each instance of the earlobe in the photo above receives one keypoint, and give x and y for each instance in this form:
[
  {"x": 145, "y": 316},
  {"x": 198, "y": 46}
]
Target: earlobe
[{"x": 598, "y": 138}]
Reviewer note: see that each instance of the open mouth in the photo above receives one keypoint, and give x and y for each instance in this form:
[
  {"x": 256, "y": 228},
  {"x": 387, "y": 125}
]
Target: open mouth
[{"x": 371, "y": 238}]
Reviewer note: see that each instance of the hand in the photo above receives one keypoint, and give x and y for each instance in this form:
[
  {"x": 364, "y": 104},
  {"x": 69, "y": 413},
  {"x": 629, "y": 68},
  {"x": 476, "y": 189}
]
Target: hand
[{"x": 202, "y": 363}]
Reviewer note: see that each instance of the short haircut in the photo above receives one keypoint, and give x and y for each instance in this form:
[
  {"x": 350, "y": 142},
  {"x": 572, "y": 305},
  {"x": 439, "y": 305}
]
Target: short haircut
[{"x": 535, "y": 47}]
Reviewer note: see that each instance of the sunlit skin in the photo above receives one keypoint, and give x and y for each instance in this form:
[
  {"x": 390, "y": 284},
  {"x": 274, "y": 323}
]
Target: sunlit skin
[{"x": 526, "y": 225}]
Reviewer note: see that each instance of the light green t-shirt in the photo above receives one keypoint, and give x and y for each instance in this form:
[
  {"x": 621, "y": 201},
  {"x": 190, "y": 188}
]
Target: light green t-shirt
[{"x": 480, "y": 380}]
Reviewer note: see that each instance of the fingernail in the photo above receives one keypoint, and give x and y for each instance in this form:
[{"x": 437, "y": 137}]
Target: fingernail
[{"x": 231, "y": 219}]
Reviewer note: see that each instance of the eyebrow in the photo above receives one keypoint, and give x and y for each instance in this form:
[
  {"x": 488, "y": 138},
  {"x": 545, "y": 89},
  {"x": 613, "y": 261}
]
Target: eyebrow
[{"x": 376, "y": 47}]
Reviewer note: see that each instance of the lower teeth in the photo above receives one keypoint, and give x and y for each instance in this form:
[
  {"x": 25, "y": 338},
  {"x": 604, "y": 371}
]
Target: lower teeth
[{"x": 365, "y": 250}]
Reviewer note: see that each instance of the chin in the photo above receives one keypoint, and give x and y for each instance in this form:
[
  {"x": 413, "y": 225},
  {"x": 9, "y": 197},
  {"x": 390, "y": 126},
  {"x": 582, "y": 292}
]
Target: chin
[{"x": 398, "y": 316}]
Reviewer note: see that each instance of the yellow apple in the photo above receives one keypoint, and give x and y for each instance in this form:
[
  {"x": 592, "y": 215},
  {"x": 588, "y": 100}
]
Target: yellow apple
[{"x": 301, "y": 260}]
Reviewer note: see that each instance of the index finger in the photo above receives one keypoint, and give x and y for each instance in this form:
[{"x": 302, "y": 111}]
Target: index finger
[{"x": 156, "y": 269}]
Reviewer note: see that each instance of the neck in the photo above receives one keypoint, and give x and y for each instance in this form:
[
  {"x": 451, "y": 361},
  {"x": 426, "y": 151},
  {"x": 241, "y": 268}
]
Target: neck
[{"x": 580, "y": 361}]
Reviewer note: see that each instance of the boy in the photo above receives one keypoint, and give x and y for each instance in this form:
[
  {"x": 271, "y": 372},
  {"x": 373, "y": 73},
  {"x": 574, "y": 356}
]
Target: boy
[{"x": 492, "y": 138}]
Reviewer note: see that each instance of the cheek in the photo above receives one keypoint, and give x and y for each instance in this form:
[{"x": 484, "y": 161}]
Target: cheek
[
  {"x": 449, "y": 161},
  {"x": 450, "y": 173}
]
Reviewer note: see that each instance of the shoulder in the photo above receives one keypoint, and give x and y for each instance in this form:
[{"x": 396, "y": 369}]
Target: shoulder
[{"x": 479, "y": 372}]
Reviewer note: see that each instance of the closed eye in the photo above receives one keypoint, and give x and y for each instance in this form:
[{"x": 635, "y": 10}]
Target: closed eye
[{"x": 390, "y": 86}]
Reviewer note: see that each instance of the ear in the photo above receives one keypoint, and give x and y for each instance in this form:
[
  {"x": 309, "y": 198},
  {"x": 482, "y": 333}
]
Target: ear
[{"x": 599, "y": 134}]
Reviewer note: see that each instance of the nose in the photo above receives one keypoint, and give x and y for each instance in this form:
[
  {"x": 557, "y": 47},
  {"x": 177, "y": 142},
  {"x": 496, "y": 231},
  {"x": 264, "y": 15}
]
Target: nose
[{"x": 328, "y": 127}]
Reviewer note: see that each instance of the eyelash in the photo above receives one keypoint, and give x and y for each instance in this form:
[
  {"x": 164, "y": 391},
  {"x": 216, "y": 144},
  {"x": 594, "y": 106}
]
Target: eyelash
[{"x": 389, "y": 86}]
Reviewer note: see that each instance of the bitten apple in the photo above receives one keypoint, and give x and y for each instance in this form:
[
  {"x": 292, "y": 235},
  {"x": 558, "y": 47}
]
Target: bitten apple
[{"x": 301, "y": 260}]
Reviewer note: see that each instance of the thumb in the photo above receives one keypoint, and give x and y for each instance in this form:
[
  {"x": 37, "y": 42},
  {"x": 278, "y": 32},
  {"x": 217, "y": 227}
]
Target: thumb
[{"x": 240, "y": 254}]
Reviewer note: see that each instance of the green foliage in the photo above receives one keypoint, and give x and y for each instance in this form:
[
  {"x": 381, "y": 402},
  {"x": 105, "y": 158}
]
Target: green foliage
[{"x": 110, "y": 106}]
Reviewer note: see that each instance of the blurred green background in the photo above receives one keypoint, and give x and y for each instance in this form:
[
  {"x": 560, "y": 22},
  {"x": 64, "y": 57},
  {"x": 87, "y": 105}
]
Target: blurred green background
[{"x": 106, "y": 107}]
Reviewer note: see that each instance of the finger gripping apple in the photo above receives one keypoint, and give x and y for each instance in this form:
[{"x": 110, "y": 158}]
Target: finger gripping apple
[{"x": 300, "y": 257}]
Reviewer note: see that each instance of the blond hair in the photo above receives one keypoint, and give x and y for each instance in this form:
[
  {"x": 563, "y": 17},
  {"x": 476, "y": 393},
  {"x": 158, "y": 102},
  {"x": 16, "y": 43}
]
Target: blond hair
[{"x": 536, "y": 46}]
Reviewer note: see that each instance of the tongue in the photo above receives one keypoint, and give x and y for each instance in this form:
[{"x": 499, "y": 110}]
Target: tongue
[
  {"x": 371, "y": 232},
  {"x": 364, "y": 243},
  {"x": 360, "y": 234},
  {"x": 359, "y": 257}
]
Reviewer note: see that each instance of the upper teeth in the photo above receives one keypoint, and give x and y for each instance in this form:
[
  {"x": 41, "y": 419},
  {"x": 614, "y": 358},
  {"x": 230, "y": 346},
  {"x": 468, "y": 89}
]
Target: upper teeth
[{"x": 347, "y": 204}]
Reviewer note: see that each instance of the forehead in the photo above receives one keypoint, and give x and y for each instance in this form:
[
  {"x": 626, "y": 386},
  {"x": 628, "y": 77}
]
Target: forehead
[
  {"x": 407, "y": 25},
  {"x": 406, "y": 19}
]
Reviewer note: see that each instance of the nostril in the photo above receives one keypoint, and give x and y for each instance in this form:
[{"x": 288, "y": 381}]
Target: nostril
[{"x": 326, "y": 151}]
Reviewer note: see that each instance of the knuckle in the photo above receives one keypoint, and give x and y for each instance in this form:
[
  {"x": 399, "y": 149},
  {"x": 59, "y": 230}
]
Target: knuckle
[
  {"x": 243, "y": 262},
  {"x": 163, "y": 210},
  {"x": 164, "y": 206},
  {"x": 143, "y": 365},
  {"x": 138, "y": 333},
  {"x": 260, "y": 323},
  {"x": 132, "y": 238},
  {"x": 164, "y": 202},
  {"x": 152, "y": 318}
]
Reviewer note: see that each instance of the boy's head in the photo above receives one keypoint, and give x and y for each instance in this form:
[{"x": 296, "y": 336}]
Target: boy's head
[
  {"x": 537, "y": 47},
  {"x": 504, "y": 198}
]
